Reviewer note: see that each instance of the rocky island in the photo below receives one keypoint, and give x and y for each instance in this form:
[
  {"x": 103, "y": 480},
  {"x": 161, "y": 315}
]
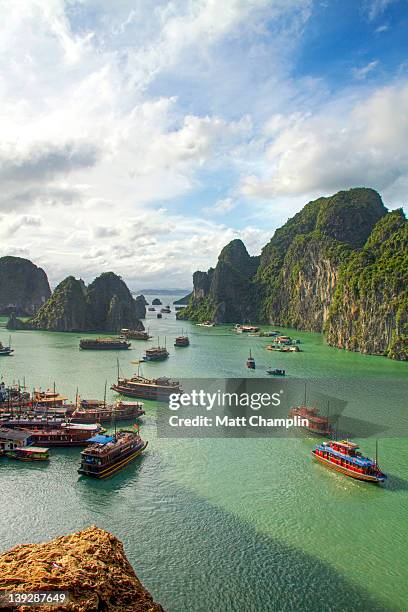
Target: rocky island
[
  {"x": 90, "y": 565},
  {"x": 23, "y": 286},
  {"x": 340, "y": 265},
  {"x": 106, "y": 305}
]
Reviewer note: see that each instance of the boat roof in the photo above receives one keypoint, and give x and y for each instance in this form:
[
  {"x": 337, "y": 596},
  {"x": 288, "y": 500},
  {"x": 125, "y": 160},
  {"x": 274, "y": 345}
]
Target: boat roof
[
  {"x": 101, "y": 439},
  {"x": 33, "y": 449},
  {"x": 360, "y": 461},
  {"x": 14, "y": 434},
  {"x": 82, "y": 426},
  {"x": 346, "y": 444}
]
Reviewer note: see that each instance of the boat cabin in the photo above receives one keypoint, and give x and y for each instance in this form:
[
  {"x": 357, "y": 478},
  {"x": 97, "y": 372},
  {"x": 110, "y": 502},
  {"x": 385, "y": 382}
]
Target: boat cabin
[{"x": 11, "y": 439}]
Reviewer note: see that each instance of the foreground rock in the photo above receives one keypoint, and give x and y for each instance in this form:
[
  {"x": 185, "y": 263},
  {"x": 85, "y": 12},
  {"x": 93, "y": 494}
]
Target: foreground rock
[
  {"x": 23, "y": 286},
  {"x": 91, "y": 565}
]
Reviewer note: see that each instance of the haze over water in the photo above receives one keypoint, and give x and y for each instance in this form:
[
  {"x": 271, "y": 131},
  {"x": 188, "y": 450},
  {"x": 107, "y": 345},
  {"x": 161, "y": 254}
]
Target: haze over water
[{"x": 226, "y": 524}]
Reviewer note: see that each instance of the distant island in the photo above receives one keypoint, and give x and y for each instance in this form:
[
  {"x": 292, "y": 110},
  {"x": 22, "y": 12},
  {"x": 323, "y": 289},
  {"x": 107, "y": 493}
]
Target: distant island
[
  {"x": 105, "y": 305},
  {"x": 339, "y": 266}
]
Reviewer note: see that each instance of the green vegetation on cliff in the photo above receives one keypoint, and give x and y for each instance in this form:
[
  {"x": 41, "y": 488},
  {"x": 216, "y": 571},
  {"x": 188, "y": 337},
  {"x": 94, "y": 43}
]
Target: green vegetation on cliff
[
  {"x": 342, "y": 258},
  {"x": 369, "y": 312},
  {"x": 105, "y": 305},
  {"x": 340, "y": 223}
]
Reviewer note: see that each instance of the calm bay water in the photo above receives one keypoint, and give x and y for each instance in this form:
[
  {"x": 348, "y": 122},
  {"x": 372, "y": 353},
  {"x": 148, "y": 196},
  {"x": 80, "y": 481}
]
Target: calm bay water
[{"x": 226, "y": 524}]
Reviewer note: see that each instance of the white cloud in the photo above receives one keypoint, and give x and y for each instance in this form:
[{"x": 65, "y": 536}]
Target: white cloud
[
  {"x": 363, "y": 144},
  {"x": 221, "y": 207},
  {"x": 363, "y": 71}
]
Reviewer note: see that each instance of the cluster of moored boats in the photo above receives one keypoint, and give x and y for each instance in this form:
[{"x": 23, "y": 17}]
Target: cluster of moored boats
[{"x": 31, "y": 424}]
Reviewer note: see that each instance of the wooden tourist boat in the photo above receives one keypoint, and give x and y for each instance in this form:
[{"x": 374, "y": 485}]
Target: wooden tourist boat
[
  {"x": 69, "y": 434},
  {"x": 95, "y": 411},
  {"x": 158, "y": 389},
  {"x": 345, "y": 458},
  {"x": 135, "y": 334},
  {"x": 276, "y": 372},
  {"x": 156, "y": 353},
  {"x": 106, "y": 455},
  {"x": 318, "y": 424},
  {"x": 104, "y": 344},
  {"x": 246, "y": 329},
  {"x": 182, "y": 341}
]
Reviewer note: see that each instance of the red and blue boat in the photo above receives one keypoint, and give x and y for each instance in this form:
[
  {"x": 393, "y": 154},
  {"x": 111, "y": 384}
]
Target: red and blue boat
[{"x": 345, "y": 457}]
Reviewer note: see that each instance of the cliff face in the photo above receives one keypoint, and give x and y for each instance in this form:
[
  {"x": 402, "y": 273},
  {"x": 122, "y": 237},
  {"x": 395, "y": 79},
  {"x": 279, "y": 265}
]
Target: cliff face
[
  {"x": 339, "y": 265},
  {"x": 110, "y": 304},
  {"x": 23, "y": 286},
  {"x": 370, "y": 306},
  {"x": 91, "y": 565},
  {"x": 65, "y": 310},
  {"x": 226, "y": 293},
  {"x": 106, "y": 305},
  {"x": 300, "y": 266}
]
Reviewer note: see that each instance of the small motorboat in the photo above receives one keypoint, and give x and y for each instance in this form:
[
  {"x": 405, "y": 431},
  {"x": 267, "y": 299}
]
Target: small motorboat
[{"x": 276, "y": 372}]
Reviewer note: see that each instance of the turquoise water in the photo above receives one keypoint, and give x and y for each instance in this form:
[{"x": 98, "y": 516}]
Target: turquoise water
[{"x": 226, "y": 524}]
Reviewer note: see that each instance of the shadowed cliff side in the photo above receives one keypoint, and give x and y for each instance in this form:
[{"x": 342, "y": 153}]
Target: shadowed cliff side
[
  {"x": 226, "y": 293},
  {"x": 23, "y": 286},
  {"x": 90, "y": 565}
]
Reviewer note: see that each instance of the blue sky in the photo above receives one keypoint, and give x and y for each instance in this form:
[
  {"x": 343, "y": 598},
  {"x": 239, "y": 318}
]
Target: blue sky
[{"x": 142, "y": 136}]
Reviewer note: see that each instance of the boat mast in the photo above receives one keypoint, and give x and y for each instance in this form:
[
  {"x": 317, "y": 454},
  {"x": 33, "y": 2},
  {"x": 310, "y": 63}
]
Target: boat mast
[
  {"x": 104, "y": 395},
  {"x": 376, "y": 452}
]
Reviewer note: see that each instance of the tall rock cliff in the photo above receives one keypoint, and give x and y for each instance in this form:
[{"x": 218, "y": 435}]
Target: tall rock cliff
[
  {"x": 91, "y": 566},
  {"x": 23, "y": 286},
  {"x": 300, "y": 266},
  {"x": 110, "y": 305},
  {"x": 370, "y": 306},
  {"x": 65, "y": 310},
  {"x": 106, "y": 305},
  {"x": 226, "y": 293}
]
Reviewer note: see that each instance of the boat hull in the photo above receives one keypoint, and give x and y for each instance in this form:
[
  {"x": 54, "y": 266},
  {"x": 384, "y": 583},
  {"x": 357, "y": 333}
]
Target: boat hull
[
  {"x": 115, "y": 467},
  {"x": 343, "y": 470}
]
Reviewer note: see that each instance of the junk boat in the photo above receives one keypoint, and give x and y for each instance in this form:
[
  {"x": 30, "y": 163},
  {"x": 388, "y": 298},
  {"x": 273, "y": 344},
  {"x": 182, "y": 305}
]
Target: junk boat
[
  {"x": 344, "y": 457},
  {"x": 206, "y": 324},
  {"x": 182, "y": 341},
  {"x": 104, "y": 344},
  {"x": 69, "y": 434},
  {"x": 106, "y": 455},
  {"x": 246, "y": 329},
  {"x": 28, "y": 453},
  {"x": 317, "y": 424},
  {"x": 276, "y": 372},
  {"x": 135, "y": 334},
  {"x": 95, "y": 411},
  {"x": 250, "y": 364},
  {"x": 165, "y": 310},
  {"x": 158, "y": 389},
  {"x": 6, "y": 350},
  {"x": 156, "y": 353},
  {"x": 151, "y": 309}
]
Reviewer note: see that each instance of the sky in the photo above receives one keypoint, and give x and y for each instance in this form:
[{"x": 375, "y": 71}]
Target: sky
[{"x": 142, "y": 136}]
